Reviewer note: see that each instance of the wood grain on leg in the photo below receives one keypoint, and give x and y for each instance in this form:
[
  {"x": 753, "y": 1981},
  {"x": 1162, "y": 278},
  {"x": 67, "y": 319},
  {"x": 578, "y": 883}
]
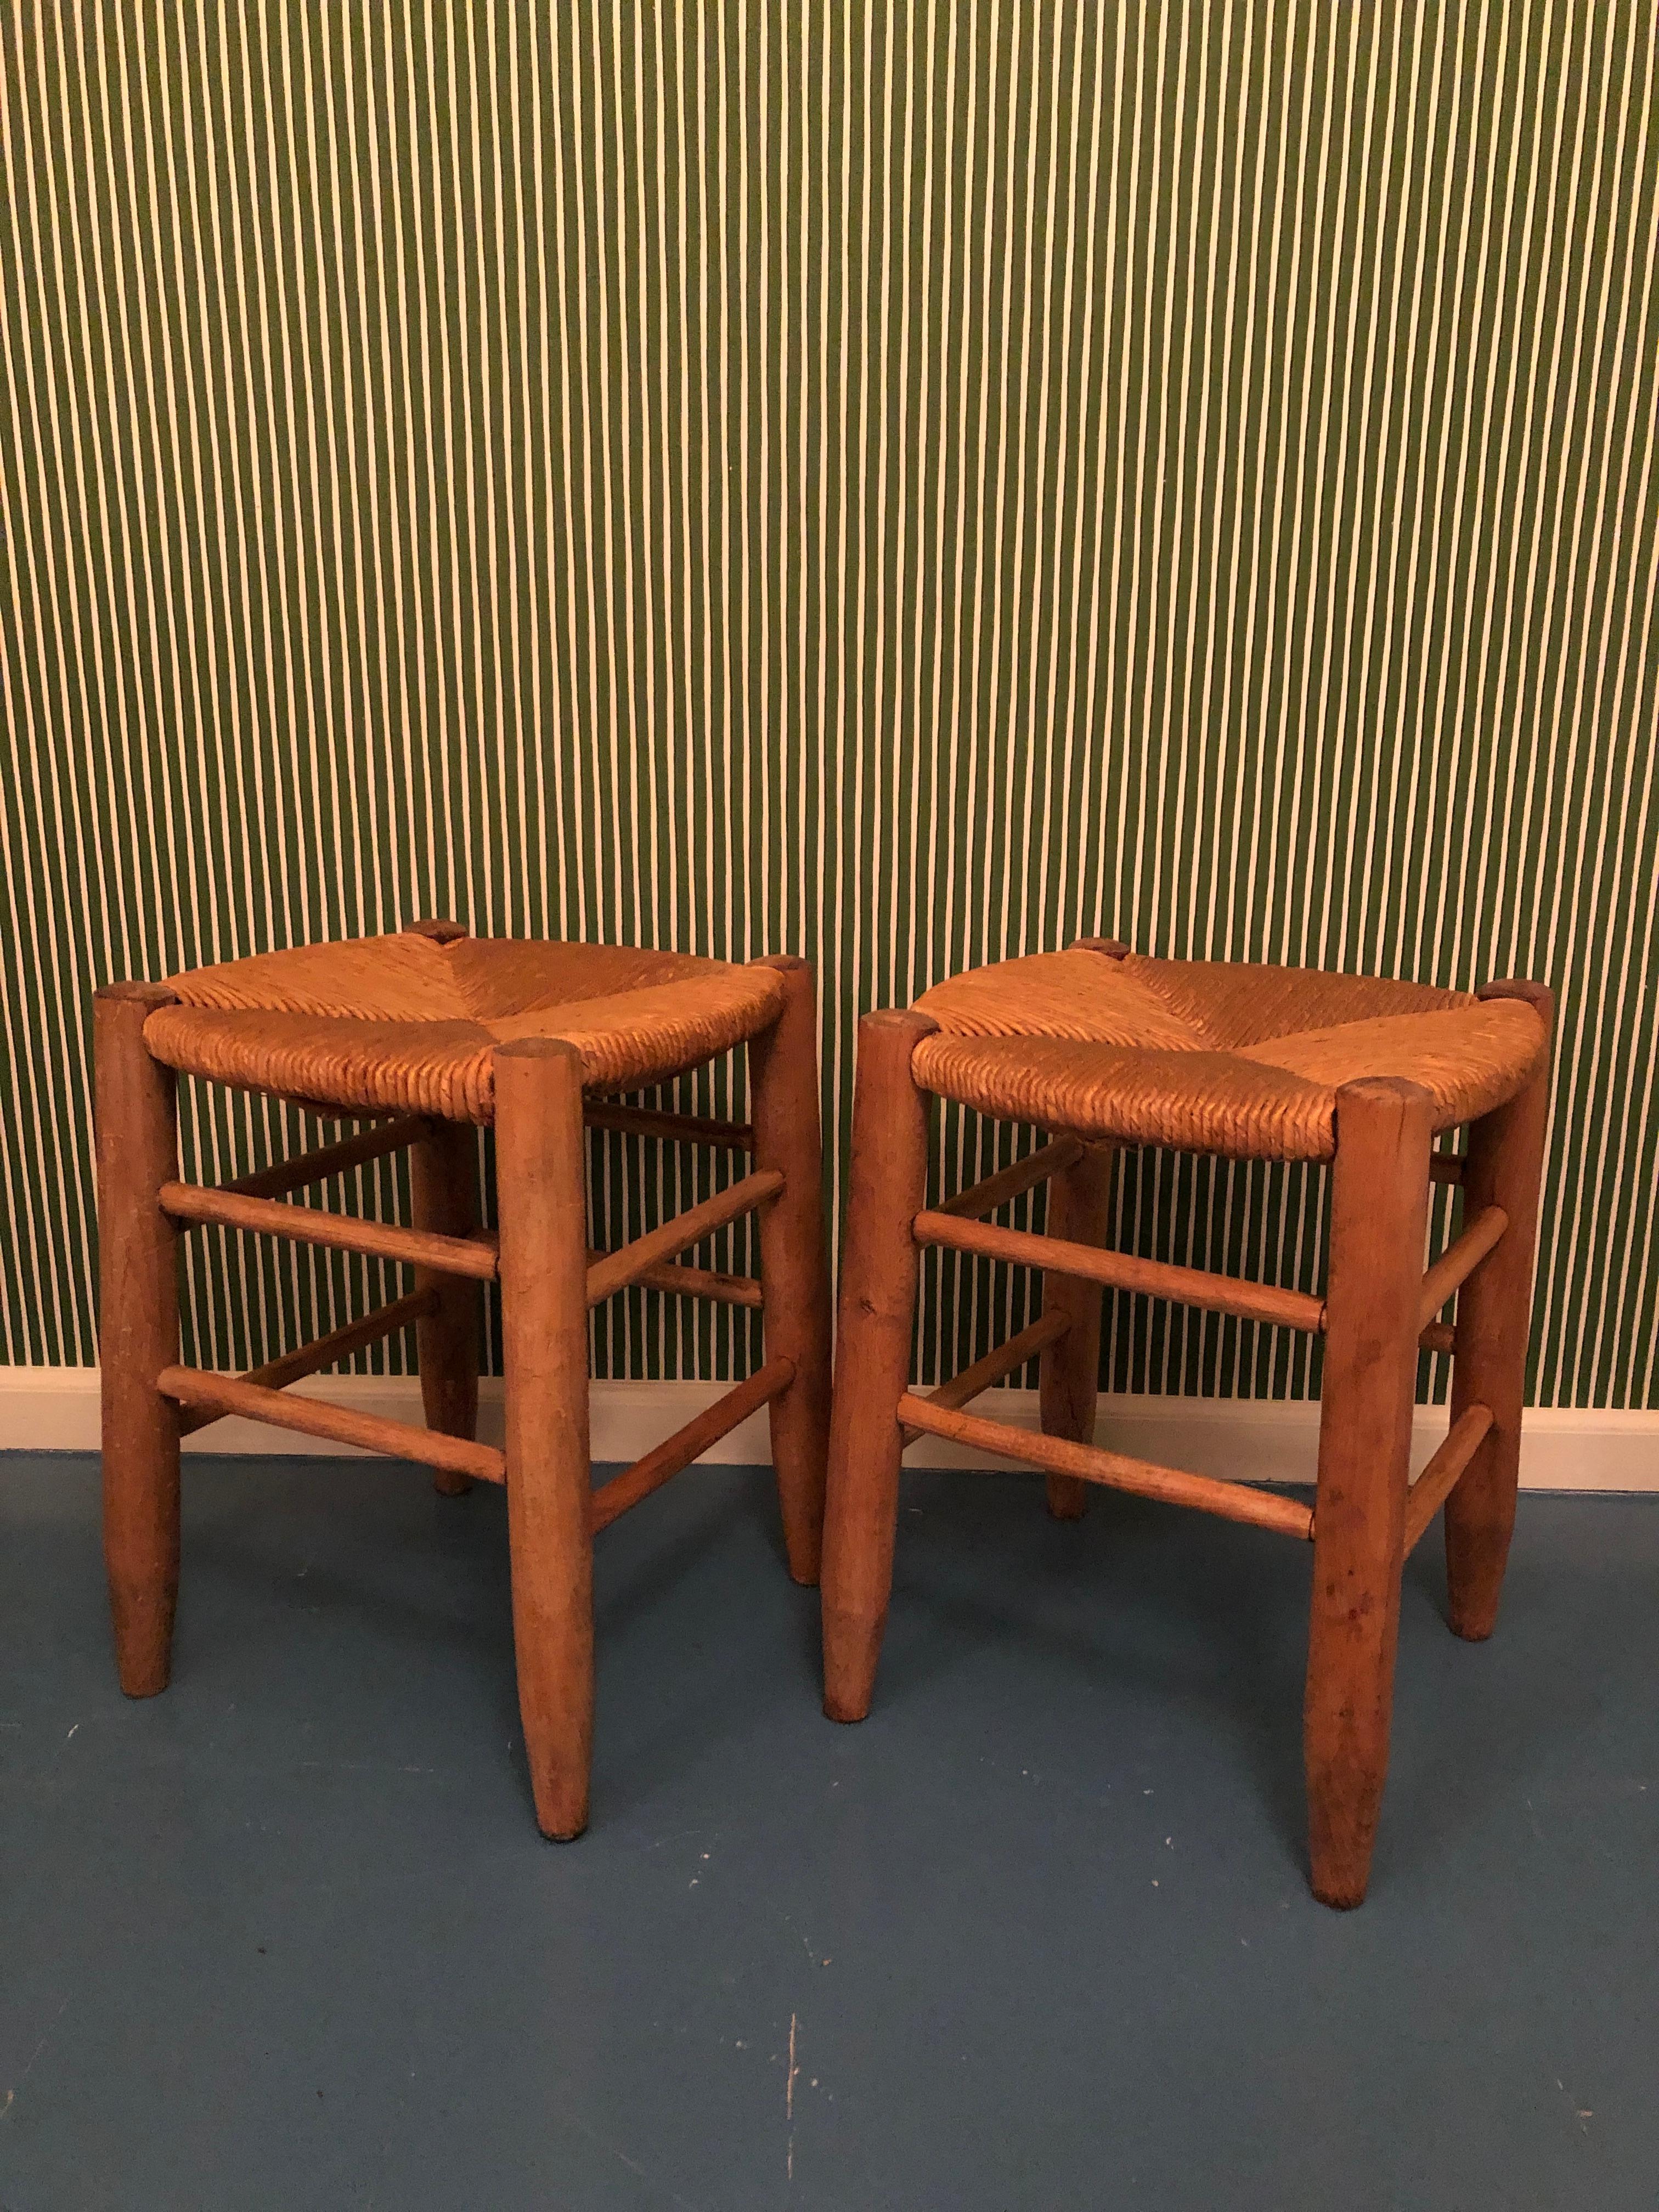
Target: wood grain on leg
[
  {"x": 137, "y": 1141},
  {"x": 872, "y": 1355},
  {"x": 1504, "y": 1167},
  {"x": 443, "y": 1168},
  {"x": 783, "y": 1069},
  {"x": 540, "y": 1163},
  {"x": 1079, "y": 1211},
  {"x": 1379, "y": 1211}
]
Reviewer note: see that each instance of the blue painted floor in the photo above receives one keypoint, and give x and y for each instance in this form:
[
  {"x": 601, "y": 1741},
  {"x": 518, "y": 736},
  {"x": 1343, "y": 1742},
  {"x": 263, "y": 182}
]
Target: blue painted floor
[{"x": 1035, "y": 1934}]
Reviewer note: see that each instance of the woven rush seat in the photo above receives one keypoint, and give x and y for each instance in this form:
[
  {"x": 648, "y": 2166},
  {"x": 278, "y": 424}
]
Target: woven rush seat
[
  {"x": 410, "y": 1023},
  {"x": 1213, "y": 1057}
]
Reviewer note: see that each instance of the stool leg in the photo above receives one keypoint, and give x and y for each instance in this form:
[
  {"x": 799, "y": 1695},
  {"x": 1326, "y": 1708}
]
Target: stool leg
[
  {"x": 877, "y": 1320},
  {"x": 783, "y": 1070},
  {"x": 444, "y": 1177},
  {"x": 540, "y": 1163},
  {"x": 1504, "y": 1168},
  {"x": 1379, "y": 1212},
  {"x": 138, "y": 1137},
  {"x": 1079, "y": 1210}
]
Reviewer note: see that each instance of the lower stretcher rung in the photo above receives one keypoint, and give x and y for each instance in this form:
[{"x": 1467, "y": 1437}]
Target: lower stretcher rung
[
  {"x": 311, "y": 1416},
  {"x": 677, "y": 1451},
  {"x": 325, "y": 1350},
  {"x": 1230, "y": 1501},
  {"x": 1445, "y": 1470}
]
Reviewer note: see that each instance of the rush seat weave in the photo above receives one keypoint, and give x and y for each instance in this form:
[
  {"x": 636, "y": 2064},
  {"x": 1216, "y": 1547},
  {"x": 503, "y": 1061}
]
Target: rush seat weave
[
  {"x": 410, "y": 1023},
  {"x": 1212, "y": 1056}
]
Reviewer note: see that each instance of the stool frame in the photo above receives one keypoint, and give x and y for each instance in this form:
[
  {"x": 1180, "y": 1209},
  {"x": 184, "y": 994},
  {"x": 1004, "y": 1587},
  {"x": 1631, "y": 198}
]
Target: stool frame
[
  {"x": 548, "y": 1279},
  {"x": 1379, "y": 1309}
]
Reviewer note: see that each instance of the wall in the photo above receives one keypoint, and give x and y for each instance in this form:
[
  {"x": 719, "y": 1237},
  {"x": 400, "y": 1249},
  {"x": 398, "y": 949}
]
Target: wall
[{"x": 903, "y": 484}]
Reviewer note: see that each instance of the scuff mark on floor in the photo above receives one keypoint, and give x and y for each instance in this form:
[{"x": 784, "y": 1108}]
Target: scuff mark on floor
[
  {"x": 11, "y": 2094},
  {"x": 604, "y": 2143},
  {"x": 789, "y": 2100}
]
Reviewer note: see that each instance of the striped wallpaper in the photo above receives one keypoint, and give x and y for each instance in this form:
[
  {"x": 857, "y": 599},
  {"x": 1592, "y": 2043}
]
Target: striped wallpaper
[{"x": 905, "y": 484}]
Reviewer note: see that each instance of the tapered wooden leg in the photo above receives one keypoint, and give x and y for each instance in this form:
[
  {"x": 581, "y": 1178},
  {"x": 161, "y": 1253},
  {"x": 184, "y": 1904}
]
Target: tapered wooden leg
[
  {"x": 783, "y": 1071},
  {"x": 1379, "y": 1211},
  {"x": 541, "y": 1183},
  {"x": 137, "y": 1139},
  {"x": 878, "y": 1309},
  {"x": 1505, "y": 1167},
  {"x": 1079, "y": 1210},
  {"x": 444, "y": 1174}
]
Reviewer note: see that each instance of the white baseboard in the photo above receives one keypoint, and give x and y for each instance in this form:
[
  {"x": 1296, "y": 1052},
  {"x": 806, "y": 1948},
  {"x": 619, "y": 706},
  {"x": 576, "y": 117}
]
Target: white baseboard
[
  {"x": 56, "y": 1409},
  {"x": 1565, "y": 1448}
]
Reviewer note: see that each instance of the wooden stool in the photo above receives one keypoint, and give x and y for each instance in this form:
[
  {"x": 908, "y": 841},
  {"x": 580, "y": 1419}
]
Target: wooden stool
[
  {"x": 1107, "y": 1048},
  {"x": 441, "y": 1031}
]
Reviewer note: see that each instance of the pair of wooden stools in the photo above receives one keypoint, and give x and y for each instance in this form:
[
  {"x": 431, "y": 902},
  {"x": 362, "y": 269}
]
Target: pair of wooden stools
[{"x": 424, "y": 1036}]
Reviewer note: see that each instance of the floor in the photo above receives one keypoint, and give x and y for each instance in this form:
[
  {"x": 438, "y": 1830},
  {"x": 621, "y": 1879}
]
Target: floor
[{"x": 1035, "y": 1934}]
